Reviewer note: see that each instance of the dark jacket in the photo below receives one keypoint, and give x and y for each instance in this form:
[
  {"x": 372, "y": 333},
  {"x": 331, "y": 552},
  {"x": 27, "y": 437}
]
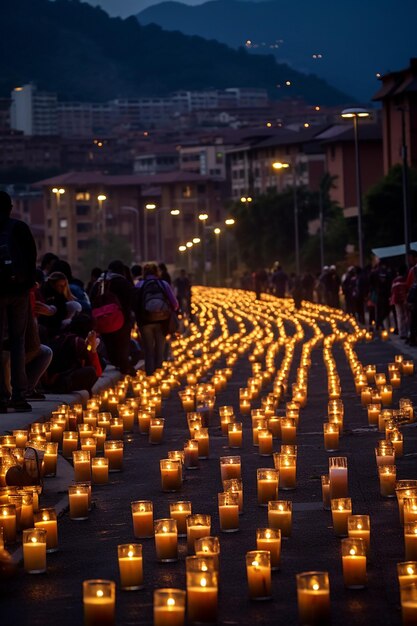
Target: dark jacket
[{"x": 22, "y": 250}]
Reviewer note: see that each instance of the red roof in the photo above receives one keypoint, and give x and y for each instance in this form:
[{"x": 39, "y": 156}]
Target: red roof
[{"x": 123, "y": 180}]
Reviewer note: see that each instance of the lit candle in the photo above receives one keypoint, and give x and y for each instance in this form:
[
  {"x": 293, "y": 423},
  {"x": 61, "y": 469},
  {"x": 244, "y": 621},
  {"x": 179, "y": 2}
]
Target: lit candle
[
  {"x": 280, "y": 516},
  {"x": 21, "y": 438},
  {"x": 89, "y": 444},
  {"x": 144, "y": 419},
  {"x": 191, "y": 454},
  {"x": 201, "y": 435},
  {"x": 8, "y": 522},
  {"x": 116, "y": 428},
  {"x": 258, "y": 571},
  {"x": 235, "y": 485},
  {"x": 397, "y": 440},
  {"x": 235, "y": 434},
  {"x": 405, "y": 489},
  {"x": 287, "y": 466},
  {"x": 69, "y": 443},
  {"x": 78, "y": 502},
  {"x": 202, "y": 597},
  {"x": 99, "y": 600},
  {"x": 313, "y": 596},
  {"x": 100, "y": 470},
  {"x": 113, "y": 450},
  {"x": 410, "y": 510},
  {"x": 34, "y": 550},
  {"x": 230, "y": 467},
  {"x": 409, "y": 605},
  {"x": 156, "y": 430},
  {"x": 179, "y": 511},
  {"x": 359, "y": 527},
  {"x": 47, "y": 520},
  {"x": 208, "y": 547},
  {"x": 270, "y": 539},
  {"x": 82, "y": 465},
  {"x": 407, "y": 573},
  {"x": 341, "y": 509},
  {"x": 168, "y": 607},
  {"x": 387, "y": 478},
  {"x": 410, "y": 541},
  {"x": 198, "y": 525},
  {"x": 166, "y": 540},
  {"x": 171, "y": 474},
  {"x": 288, "y": 431},
  {"x": 130, "y": 566},
  {"x": 331, "y": 437},
  {"x": 354, "y": 563},
  {"x": 228, "y": 503},
  {"x": 26, "y": 515},
  {"x": 265, "y": 442},
  {"x": 338, "y": 475},
  {"x": 386, "y": 395},
  {"x": 408, "y": 368},
  {"x": 373, "y": 414},
  {"x": 325, "y": 491},
  {"x": 267, "y": 485},
  {"x": 142, "y": 517}
]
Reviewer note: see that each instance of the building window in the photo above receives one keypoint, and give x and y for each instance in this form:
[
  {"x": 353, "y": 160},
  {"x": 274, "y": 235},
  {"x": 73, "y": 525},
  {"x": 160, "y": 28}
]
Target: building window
[
  {"x": 84, "y": 227},
  {"x": 186, "y": 191},
  {"x": 82, "y": 195},
  {"x": 63, "y": 223},
  {"x": 82, "y": 209}
]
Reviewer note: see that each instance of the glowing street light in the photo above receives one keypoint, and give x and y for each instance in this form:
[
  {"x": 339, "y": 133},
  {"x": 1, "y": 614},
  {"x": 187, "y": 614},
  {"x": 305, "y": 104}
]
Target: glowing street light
[
  {"x": 283, "y": 165},
  {"x": 356, "y": 114},
  {"x": 246, "y": 199}
]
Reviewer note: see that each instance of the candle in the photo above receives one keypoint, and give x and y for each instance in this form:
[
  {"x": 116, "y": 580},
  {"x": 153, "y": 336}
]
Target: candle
[
  {"x": 166, "y": 540},
  {"x": 128, "y": 419},
  {"x": 373, "y": 414},
  {"x": 8, "y": 522},
  {"x": 130, "y": 566},
  {"x": 410, "y": 510},
  {"x": 341, "y": 509},
  {"x": 387, "y": 479},
  {"x": 69, "y": 443},
  {"x": 201, "y": 435},
  {"x": 156, "y": 430},
  {"x": 280, "y": 516},
  {"x": 331, "y": 437},
  {"x": 366, "y": 396},
  {"x": 287, "y": 466},
  {"x": 270, "y": 539},
  {"x": 89, "y": 444},
  {"x": 265, "y": 442},
  {"x": 171, "y": 474},
  {"x": 359, "y": 527},
  {"x": 228, "y": 503},
  {"x": 226, "y": 421},
  {"x": 397, "y": 440},
  {"x": 113, "y": 450},
  {"x": 325, "y": 491},
  {"x": 274, "y": 425},
  {"x": 202, "y": 597},
  {"x": 99, "y": 600},
  {"x": 26, "y": 514},
  {"x": 191, "y": 454},
  {"x": 21, "y": 438},
  {"x": 142, "y": 517},
  {"x": 82, "y": 465},
  {"x": 405, "y": 489},
  {"x": 313, "y": 596},
  {"x": 258, "y": 571},
  {"x": 168, "y": 607},
  {"x": 208, "y": 547},
  {"x": 354, "y": 563},
  {"x": 288, "y": 431},
  {"x": 410, "y": 541},
  {"x": 386, "y": 395},
  {"x": 144, "y": 419},
  {"x": 230, "y": 467},
  {"x": 267, "y": 485},
  {"x": 34, "y": 550},
  {"x": 407, "y": 573},
  {"x": 47, "y": 520},
  {"x": 179, "y": 511},
  {"x": 116, "y": 428},
  {"x": 408, "y": 368},
  {"x": 78, "y": 502},
  {"x": 86, "y": 430},
  {"x": 258, "y": 424},
  {"x": 198, "y": 525},
  {"x": 235, "y": 485},
  {"x": 235, "y": 434},
  {"x": 100, "y": 470},
  {"x": 409, "y": 605},
  {"x": 338, "y": 475},
  {"x": 104, "y": 420}
]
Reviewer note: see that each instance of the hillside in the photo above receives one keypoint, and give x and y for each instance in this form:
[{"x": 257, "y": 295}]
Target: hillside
[
  {"x": 80, "y": 52},
  {"x": 355, "y": 41}
]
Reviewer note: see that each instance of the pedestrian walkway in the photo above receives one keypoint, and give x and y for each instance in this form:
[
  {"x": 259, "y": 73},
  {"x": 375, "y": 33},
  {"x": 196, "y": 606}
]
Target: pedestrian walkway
[{"x": 239, "y": 343}]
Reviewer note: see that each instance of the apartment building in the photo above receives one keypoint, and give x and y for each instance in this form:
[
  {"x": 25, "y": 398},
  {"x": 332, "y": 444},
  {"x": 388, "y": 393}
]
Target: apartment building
[{"x": 34, "y": 112}]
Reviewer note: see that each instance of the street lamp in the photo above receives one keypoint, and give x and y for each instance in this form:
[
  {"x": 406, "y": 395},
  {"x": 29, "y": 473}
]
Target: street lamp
[
  {"x": 217, "y": 231},
  {"x": 280, "y": 166},
  {"x": 355, "y": 114},
  {"x": 203, "y": 217},
  {"x": 229, "y": 222},
  {"x": 58, "y": 192},
  {"x": 149, "y": 207},
  {"x": 245, "y": 199}
]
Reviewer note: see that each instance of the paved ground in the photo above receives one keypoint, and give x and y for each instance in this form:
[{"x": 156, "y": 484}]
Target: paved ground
[{"x": 89, "y": 549}]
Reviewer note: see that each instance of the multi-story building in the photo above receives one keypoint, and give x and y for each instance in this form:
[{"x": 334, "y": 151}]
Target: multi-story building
[
  {"x": 19, "y": 151},
  {"x": 156, "y": 159},
  {"x": 34, "y": 112}
]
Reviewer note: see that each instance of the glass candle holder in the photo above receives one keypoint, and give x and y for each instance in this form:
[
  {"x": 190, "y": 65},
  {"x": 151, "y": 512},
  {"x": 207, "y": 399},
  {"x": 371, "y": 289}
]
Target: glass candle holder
[
  {"x": 313, "y": 598},
  {"x": 404, "y": 489},
  {"x": 198, "y": 525},
  {"x": 274, "y": 425},
  {"x": 338, "y": 475},
  {"x": 144, "y": 420},
  {"x": 202, "y": 597},
  {"x": 200, "y": 563},
  {"x": 408, "y": 368},
  {"x": 267, "y": 485},
  {"x": 407, "y": 573},
  {"x": 325, "y": 491},
  {"x": 130, "y": 566},
  {"x": 235, "y": 485},
  {"x": 331, "y": 437},
  {"x": 201, "y": 435},
  {"x": 34, "y": 550},
  {"x": 341, "y": 509},
  {"x": 8, "y": 522},
  {"x": 409, "y": 604},
  {"x": 386, "y": 395},
  {"x": 87, "y": 485},
  {"x": 354, "y": 563},
  {"x": 387, "y": 479},
  {"x": 116, "y": 428},
  {"x": 82, "y": 465},
  {"x": 226, "y": 421},
  {"x": 287, "y": 466},
  {"x": 270, "y": 539},
  {"x": 168, "y": 607},
  {"x": 26, "y": 514},
  {"x": 359, "y": 527},
  {"x": 191, "y": 454},
  {"x": 142, "y": 518},
  {"x": 21, "y": 437},
  {"x": 113, "y": 450},
  {"x": 46, "y": 519},
  {"x": 410, "y": 541},
  {"x": 166, "y": 540},
  {"x": 228, "y": 503},
  {"x": 179, "y": 511},
  {"x": 265, "y": 443},
  {"x": 156, "y": 430},
  {"x": 89, "y": 444},
  {"x": 104, "y": 420},
  {"x": 86, "y": 429},
  {"x": 78, "y": 502},
  {"x": 99, "y": 602},
  {"x": 280, "y": 516},
  {"x": 410, "y": 510},
  {"x": 288, "y": 431},
  {"x": 171, "y": 474},
  {"x": 50, "y": 459},
  {"x": 235, "y": 434},
  {"x": 374, "y": 410},
  {"x": 208, "y": 547},
  {"x": 384, "y": 454},
  {"x": 69, "y": 443},
  {"x": 258, "y": 571},
  {"x": 258, "y": 424},
  {"x": 230, "y": 467},
  {"x": 396, "y": 438},
  {"x": 100, "y": 470}
]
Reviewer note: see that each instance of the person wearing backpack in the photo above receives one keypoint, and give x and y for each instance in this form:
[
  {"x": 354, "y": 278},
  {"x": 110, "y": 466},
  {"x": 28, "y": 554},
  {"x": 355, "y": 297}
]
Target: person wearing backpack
[
  {"x": 17, "y": 277},
  {"x": 155, "y": 302}
]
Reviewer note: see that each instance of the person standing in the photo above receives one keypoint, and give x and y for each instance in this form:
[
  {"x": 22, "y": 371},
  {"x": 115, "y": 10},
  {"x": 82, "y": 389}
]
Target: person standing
[{"x": 17, "y": 277}]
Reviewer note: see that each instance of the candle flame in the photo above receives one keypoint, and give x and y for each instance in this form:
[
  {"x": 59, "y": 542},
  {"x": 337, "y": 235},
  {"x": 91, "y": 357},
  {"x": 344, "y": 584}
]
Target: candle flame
[
  {"x": 315, "y": 586},
  {"x": 45, "y": 517},
  {"x": 268, "y": 535},
  {"x": 352, "y": 551},
  {"x": 130, "y": 554},
  {"x": 359, "y": 526},
  {"x": 171, "y": 602},
  {"x": 255, "y": 563},
  {"x": 99, "y": 593},
  {"x": 164, "y": 529},
  {"x": 180, "y": 508},
  {"x": 203, "y": 582},
  {"x": 410, "y": 569},
  {"x": 34, "y": 540}
]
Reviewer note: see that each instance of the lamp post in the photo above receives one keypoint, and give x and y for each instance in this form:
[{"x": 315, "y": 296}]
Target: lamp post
[
  {"x": 217, "y": 231},
  {"x": 406, "y": 197},
  {"x": 229, "y": 222},
  {"x": 58, "y": 192},
  {"x": 203, "y": 217},
  {"x": 148, "y": 207},
  {"x": 100, "y": 225},
  {"x": 355, "y": 114},
  {"x": 280, "y": 166},
  {"x": 160, "y": 238},
  {"x": 135, "y": 212}
]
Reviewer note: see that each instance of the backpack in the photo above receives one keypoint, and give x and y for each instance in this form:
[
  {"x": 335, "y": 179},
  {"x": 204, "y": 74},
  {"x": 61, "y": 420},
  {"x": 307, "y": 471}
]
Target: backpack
[
  {"x": 106, "y": 311},
  {"x": 154, "y": 305}
]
